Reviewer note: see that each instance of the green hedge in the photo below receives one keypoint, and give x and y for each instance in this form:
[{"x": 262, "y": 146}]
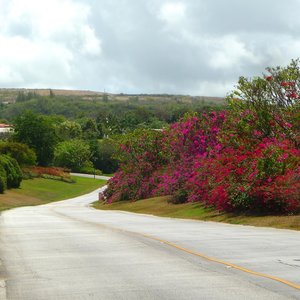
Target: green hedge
[
  {"x": 10, "y": 173},
  {"x": 3, "y": 179}
]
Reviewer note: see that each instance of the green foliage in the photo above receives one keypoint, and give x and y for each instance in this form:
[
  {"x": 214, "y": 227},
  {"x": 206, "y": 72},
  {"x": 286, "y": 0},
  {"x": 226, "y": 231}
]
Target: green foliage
[
  {"x": 270, "y": 103},
  {"x": 3, "y": 179},
  {"x": 22, "y": 96},
  {"x": 88, "y": 168},
  {"x": 68, "y": 130},
  {"x": 179, "y": 196},
  {"x": 10, "y": 173},
  {"x": 117, "y": 116},
  {"x": 38, "y": 132},
  {"x": 104, "y": 156},
  {"x": 89, "y": 129},
  {"x": 73, "y": 154},
  {"x": 20, "y": 152},
  {"x": 137, "y": 142}
]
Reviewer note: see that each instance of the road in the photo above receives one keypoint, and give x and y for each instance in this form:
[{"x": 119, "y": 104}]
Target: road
[{"x": 67, "y": 250}]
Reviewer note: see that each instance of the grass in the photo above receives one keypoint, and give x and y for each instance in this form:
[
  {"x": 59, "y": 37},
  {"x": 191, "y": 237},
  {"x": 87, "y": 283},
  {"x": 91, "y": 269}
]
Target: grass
[
  {"x": 40, "y": 191},
  {"x": 160, "y": 206}
]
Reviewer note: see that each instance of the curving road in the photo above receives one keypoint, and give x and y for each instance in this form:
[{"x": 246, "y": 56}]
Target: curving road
[{"x": 67, "y": 250}]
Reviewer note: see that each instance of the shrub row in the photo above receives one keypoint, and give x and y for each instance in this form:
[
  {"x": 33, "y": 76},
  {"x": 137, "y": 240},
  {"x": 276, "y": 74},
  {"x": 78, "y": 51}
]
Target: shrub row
[{"x": 246, "y": 158}]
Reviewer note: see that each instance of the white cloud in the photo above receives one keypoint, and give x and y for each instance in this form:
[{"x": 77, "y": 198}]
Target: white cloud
[
  {"x": 42, "y": 40},
  {"x": 228, "y": 52},
  {"x": 172, "y": 12}
]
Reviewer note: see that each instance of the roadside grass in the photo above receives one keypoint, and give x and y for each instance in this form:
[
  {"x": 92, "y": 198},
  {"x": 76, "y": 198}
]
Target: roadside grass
[
  {"x": 160, "y": 206},
  {"x": 41, "y": 191}
]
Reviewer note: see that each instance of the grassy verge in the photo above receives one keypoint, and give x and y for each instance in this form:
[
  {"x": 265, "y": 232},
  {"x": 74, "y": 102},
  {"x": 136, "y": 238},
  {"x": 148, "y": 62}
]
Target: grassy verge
[
  {"x": 40, "y": 191},
  {"x": 159, "y": 206}
]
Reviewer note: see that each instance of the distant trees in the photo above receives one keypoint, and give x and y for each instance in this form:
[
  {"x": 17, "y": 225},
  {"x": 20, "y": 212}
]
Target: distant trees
[
  {"x": 38, "y": 132},
  {"x": 22, "y": 96},
  {"x": 51, "y": 94},
  {"x": 49, "y": 121},
  {"x": 68, "y": 130},
  {"x": 89, "y": 129}
]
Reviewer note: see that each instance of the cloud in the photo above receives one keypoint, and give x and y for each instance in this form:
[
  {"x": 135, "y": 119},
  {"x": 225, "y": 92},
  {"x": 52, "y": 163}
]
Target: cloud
[
  {"x": 228, "y": 52},
  {"x": 153, "y": 46},
  {"x": 41, "y": 41},
  {"x": 172, "y": 12}
]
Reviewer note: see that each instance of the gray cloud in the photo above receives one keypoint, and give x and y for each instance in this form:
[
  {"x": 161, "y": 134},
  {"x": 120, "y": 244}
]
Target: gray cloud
[{"x": 197, "y": 47}]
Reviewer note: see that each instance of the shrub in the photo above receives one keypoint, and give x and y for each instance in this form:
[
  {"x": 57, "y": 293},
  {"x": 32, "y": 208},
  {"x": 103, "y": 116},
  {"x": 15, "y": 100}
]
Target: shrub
[
  {"x": 20, "y": 152},
  {"x": 11, "y": 173},
  {"x": 88, "y": 168},
  {"x": 73, "y": 154},
  {"x": 48, "y": 173}
]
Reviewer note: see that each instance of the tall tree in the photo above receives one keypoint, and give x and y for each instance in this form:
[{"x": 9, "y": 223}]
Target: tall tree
[{"x": 37, "y": 132}]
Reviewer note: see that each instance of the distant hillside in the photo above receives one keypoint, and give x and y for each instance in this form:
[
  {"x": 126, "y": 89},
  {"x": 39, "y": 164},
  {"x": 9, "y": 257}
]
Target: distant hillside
[{"x": 10, "y": 95}]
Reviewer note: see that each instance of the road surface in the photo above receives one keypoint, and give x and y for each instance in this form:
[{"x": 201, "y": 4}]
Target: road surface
[{"x": 67, "y": 250}]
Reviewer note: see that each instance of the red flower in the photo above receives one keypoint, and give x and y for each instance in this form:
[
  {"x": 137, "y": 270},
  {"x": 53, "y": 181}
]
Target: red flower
[
  {"x": 287, "y": 83},
  {"x": 284, "y": 83},
  {"x": 292, "y": 95},
  {"x": 269, "y": 78}
]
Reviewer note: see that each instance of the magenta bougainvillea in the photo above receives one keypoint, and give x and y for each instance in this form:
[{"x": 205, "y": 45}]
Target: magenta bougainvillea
[
  {"x": 244, "y": 159},
  {"x": 197, "y": 160}
]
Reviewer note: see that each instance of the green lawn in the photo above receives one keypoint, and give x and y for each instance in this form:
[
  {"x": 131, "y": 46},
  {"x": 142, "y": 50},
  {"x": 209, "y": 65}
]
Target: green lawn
[
  {"x": 160, "y": 206},
  {"x": 40, "y": 191}
]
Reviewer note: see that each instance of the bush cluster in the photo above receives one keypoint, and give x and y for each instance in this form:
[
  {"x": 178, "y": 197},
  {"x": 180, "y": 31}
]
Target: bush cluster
[{"x": 244, "y": 159}]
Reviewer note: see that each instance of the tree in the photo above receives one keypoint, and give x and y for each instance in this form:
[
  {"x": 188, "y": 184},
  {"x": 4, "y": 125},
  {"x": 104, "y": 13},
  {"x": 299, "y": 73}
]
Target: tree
[
  {"x": 21, "y": 97},
  {"x": 73, "y": 154},
  {"x": 20, "y": 152},
  {"x": 104, "y": 153},
  {"x": 51, "y": 94},
  {"x": 68, "y": 130},
  {"x": 89, "y": 129},
  {"x": 271, "y": 102},
  {"x": 37, "y": 132}
]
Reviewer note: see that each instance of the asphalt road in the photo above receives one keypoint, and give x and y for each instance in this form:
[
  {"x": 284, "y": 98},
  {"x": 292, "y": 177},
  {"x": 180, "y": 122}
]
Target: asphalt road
[{"x": 66, "y": 250}]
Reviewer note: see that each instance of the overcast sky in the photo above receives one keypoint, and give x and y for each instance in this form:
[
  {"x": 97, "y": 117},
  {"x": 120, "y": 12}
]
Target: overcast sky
[{"x": 196, "y": 47}]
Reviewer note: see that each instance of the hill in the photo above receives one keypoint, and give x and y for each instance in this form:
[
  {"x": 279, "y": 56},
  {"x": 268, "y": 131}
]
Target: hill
[{"x": 9, "y": 95}]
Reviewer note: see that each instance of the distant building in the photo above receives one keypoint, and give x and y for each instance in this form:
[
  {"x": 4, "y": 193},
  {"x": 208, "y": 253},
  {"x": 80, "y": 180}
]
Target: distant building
[{"x": 5, "y": 128}]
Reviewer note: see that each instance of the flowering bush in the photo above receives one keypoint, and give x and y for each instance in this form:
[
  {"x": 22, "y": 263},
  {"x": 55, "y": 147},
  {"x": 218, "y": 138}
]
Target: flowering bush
[
  {"x": 48, "y": 173},
  {"x": 246, "y": 158}
]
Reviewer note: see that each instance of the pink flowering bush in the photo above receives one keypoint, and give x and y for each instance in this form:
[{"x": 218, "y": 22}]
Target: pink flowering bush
[
  {"x": 141, "y": 155},
  {"x": 243, "y": 159}
]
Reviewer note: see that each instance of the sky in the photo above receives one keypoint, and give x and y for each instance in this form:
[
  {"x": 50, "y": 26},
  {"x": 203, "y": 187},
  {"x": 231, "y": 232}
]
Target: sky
[{"x": 192, "y": 47}]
